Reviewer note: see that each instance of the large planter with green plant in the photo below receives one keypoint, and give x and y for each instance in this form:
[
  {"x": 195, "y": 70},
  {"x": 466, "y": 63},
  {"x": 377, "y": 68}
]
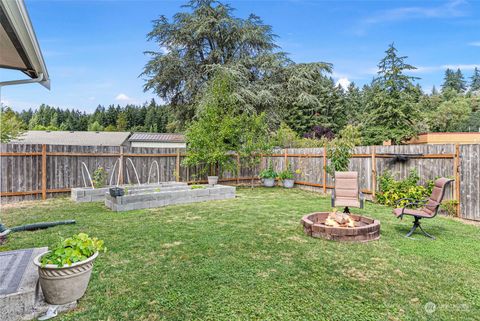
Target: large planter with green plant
[
  {"x": 287, "y": 177},
  {"x": 64, "y": 271},
  {"x": 268, "y": 176}
]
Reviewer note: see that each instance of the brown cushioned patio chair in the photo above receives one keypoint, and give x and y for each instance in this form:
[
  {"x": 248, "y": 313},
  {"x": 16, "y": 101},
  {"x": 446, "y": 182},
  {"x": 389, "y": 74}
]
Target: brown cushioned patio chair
[
  {"x": 347, "y": 192},
  {"x": 429, "y": 207}
]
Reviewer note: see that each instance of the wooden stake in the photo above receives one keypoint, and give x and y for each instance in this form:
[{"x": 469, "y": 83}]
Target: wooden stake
[
  {"x": 286, "y": 159},
  {"x": 120, "y": 168},
  {"x": 324, "y": 169},
  {"x": 44, "y": 172},
  {"x": 373, "y": 188},
  {"x": 456, "y": 172},
  {"x": 238, "y": 169}
]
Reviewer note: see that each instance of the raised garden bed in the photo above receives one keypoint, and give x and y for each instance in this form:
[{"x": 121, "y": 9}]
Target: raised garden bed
[
  {"x": 171, "y": 195},
  {"x": 88, "y": 194}
]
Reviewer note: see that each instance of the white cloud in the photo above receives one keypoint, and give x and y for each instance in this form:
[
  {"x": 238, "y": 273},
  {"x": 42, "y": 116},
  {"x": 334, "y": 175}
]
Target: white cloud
[
  {"x": 462, "y": 67},
  {"x": 474, "y": 43},
  {"x": 123, "y": 97},
  {"x": 343, "y": 82},
  {"x": 164, "y": 50},
  {"x": 429, "y": 69},
  {"x": 4, "y": 103},
  {"x": 451, "y": 9}
]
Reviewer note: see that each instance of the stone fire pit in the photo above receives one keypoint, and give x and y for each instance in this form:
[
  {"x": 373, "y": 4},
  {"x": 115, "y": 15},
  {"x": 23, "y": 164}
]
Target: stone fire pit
[{"x": 366, "y": 229}]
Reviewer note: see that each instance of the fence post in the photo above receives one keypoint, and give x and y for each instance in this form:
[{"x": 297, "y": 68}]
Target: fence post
[
  {"x": 456, "y": 173},
  {"x": 120, "y": 168},
  {"x": 177, "y": 166},
  {"x": 44, "y": 172},
  {"x": 324, "y": 169},
  {"x": 238, "y": 169},
  {"x": 374, "y": 171}
]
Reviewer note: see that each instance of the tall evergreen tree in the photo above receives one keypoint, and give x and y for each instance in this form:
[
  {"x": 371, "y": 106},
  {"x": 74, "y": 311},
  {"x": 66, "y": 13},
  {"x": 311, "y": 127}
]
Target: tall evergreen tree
[
  {"x": 195, "y": 43},
  {"x": 475, "y": 83},
  {"x": 461, "y": 83},
  {"x": 392, "y": 113},
  {"x": 311, "y": 98},
  {"x": 454, "y": 80}
]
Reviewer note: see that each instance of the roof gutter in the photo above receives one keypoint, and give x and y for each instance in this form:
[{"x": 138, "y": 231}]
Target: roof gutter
[{"x": 39, "y": 79}]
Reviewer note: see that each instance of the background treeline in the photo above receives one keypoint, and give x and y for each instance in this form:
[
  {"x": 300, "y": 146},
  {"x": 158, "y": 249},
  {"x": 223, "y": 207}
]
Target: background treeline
[
  {"x": 149, "y": 117},
  {"x": 300, "y": 99},
  {"x": 316, "y": 108}
]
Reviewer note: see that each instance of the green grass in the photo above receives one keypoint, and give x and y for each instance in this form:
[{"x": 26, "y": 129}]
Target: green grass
[{"x": 248, "y": 258}]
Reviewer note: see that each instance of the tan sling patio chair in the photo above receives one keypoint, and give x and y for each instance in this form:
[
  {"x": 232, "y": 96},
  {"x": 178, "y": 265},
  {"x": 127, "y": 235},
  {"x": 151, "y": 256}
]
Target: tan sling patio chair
[
  {"x": 347, "y": 192},
  {"x": 429, "y": 207}
]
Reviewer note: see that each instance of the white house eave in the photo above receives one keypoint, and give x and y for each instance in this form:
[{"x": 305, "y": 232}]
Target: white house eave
[{"x": 16, "y": 16}]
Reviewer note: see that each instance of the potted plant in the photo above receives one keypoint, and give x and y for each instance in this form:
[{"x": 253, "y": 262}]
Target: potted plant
[
  {"x": 268, "y": 176},
  {"x": 64, "y": 271},
  {"x": 116, "y": 191},
  {"x": 287, "y": 177}
]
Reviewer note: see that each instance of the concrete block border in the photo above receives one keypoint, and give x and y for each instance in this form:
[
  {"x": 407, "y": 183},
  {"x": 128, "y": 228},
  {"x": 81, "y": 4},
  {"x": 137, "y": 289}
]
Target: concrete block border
[{"x": 159, "y": 197}]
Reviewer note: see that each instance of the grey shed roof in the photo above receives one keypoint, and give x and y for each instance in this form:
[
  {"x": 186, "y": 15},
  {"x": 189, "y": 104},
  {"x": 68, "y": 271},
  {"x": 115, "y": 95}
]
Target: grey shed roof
[
  {"x": 157, "y": 137},
  {"x": 73, "y": 138}
]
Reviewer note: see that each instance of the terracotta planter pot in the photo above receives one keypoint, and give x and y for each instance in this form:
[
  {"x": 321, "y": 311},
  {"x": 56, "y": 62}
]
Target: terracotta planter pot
[
  {"x": 269, "y": 182},
  {"x": 61, "y": 285},
  {"x": 288, "y": 183},
  {"x": 212, "y": 180}
]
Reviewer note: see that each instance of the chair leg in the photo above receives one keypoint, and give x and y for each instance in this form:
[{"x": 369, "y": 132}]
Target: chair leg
[
  {"x": 416, "y": 224},
  {"x": 425, "y": 233}
]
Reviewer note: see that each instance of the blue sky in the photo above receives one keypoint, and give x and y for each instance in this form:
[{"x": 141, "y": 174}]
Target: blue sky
[{"x": 94, "y": 49}]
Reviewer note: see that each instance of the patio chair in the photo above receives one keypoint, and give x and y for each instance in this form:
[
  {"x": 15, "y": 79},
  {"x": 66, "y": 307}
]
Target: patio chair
[
  {"x": 429, "y": 207},
  {"x": 347, "y": 192}
]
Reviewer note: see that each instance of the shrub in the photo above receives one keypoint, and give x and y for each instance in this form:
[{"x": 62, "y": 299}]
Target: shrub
[
  {"x": 339, "y": 150},
  {"x": 450, "y": 206},
  {"x": 268, "y": 172},
  {"x": 391, "y": 190},
  {"x": 99, "y": 177},
  {"x": 197, "y": 187},
  {"x": 73, "y": 249}
]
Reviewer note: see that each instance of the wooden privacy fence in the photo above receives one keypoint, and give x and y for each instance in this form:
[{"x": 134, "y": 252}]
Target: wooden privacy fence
[{"x": 34, "y": 171}]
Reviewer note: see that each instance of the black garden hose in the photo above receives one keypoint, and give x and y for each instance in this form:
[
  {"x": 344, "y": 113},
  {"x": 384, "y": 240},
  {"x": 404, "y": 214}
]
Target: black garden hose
[
  {"x": 38, "y": 226},
  {"x": 4, "y": 231}
]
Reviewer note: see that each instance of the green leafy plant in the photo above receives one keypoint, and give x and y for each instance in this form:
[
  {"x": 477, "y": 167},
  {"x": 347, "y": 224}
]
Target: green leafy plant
[
  {"x": 197, "y": 187},
  {"x": 268, "y": 172},
  {"x": 287, "y": 173},
  {"x": 99, "y": 177},
  {"x": 392, "y": 190},
  {"x": 73, "y": 249},
  {"x": 450, "y": 207},
  {"x": 212, "y": 135},
  {"x": 339, "y": 150}
]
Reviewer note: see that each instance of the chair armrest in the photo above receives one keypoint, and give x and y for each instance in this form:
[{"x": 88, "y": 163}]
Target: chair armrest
[{"x": 410, "y": 199}]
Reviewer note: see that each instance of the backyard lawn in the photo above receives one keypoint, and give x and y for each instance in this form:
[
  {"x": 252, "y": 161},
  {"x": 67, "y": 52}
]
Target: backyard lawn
[{"x": 248, "y": 258}]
